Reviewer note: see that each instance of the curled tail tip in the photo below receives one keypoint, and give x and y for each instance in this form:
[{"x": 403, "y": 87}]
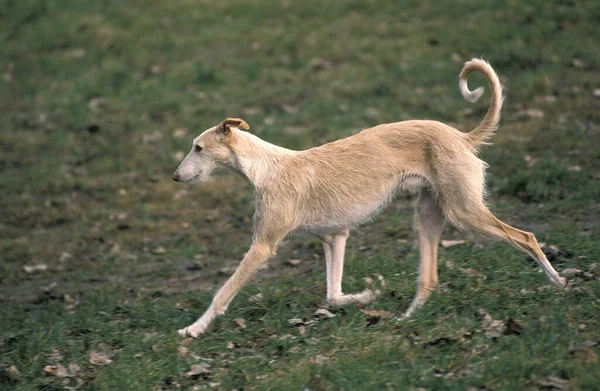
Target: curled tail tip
[{"x": 472, "y": 96}]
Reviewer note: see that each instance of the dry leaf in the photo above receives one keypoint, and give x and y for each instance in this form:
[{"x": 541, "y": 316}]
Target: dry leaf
[
  {"x": 100, "y": 356},
  {"x": 56, "y": 370},
  {"x": 450, "y": 243},
  {"x": 35, "y": 268},
  {"x": 318, "y": 64},
  {"x": 374, "y": 316},
  {"x": 186, "y": 342},
  {"x": 73, "y": 369},
  {"x": 13, "y": 373},
  {"x": 554, "y": 383},
  {"x": 586, "y": 355},
  {"x": 65, "y": 256},
  {"x": 295, "y": 321},
  {"x": 380, "y": 314},
  {"x": 302, "y": 330},
  {"x": 468, "y": 271},
  {"x": 240, "y": 322},
  {"x": 255, "y": 298},
  {"x": 294, "y": 262},
  {"x": 322, "y": 313},
  {"x": 492, "y": 328},
  {"x": 199, "y": 369},
  {"x": 584, "y": 352},
  {"x": 570, "y": 273},
  {"x": 159, "y": 250},
  {"x": 320, "y": 359}
]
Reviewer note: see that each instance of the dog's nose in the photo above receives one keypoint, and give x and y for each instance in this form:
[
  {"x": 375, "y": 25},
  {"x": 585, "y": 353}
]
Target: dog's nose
[{"x": 176, "y": 177}]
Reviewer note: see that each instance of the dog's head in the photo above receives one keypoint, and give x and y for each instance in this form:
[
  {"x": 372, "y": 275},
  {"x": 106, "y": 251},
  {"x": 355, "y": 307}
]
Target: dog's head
[{"x": 209, "y": 150}]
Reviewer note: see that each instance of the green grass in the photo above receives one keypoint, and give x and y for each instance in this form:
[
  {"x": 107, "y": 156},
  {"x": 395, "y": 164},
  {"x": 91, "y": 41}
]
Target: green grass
[{"x": 91, "y": 95}]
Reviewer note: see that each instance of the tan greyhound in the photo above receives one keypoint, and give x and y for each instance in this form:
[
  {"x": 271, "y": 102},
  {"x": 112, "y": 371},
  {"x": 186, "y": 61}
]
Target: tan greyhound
[{"x": 330, "y": 189}]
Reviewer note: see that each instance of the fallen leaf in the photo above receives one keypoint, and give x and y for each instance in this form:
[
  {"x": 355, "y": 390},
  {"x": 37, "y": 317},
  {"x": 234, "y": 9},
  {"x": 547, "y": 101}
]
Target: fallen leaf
[
  {"x": 74, "y": 369},
  {"x": 115, "y": 250},
  {"x": 187, "y": 304},
  {"x": 318, "y": 64},
  {"x": 159, "y": 250},
  {"x": 294, "y": 262},
  {"x": 182, "y": 351},
  {"x": 570, "y": 273},
  {"x": 381, "y": 314},
  {"x": 96, "y": 103},
  {"x": 186, "y": 342},
  {"x": 302, "y": 330},
  {"x": 554, "y": 382},
  {"x": 65, "y": 256},
  {"x": 323, "y": 313},
  {"x": 586, "y": 355},
  {"x": 199, "y": 369},
  {"x": 255, "y": 298},
  {"x": 492, "y": 328},
  {"x": 56, "y": 370},
  {"x": 13, "y": 373},
  {"x": 35, "y": 268},
  {"x": 101, "y": 356},
  {"x": 240, "y": 322},
  {"x": 584, "y": 352},
  {"x": 295, "y": 321},
  {"x": 450, "y": 243},
  {"x": 374, "y": 316},
  {"x": 321, "y": 360},
  {"x": 468, "y": 271}
]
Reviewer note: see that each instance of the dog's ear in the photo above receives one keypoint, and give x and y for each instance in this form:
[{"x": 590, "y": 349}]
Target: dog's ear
[{"x": 224, "y": 127}]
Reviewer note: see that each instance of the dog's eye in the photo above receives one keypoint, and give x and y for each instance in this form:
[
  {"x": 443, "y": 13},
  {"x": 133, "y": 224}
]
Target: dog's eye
[{"x": 197, "y": 148}]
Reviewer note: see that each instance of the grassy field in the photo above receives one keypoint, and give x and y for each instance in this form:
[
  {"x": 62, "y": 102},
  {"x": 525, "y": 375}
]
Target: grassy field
[{"x": 103, "y": 257}]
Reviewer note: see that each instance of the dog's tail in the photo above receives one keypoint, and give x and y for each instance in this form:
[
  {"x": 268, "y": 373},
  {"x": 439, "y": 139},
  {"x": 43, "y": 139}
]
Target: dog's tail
[{"x": 489, "y": 124}]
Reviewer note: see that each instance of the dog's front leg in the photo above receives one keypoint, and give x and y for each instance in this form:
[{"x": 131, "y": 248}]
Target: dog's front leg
[
  {"x": 335, "y": 246},
  {"x": 258, "y": 254}
]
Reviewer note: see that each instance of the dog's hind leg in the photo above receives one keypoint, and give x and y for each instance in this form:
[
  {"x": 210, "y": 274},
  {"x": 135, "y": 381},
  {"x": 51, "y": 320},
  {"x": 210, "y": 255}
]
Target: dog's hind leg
[
  {"x": 334, "y": 246},
  {"x": 258, "y": 254},
  {"x": 489, "y": 225},
  {"x": 429, "y": 223}
]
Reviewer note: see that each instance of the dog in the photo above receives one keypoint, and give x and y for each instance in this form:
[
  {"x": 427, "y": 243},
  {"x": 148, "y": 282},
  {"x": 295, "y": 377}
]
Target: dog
[{"x": 331, "y": 189}]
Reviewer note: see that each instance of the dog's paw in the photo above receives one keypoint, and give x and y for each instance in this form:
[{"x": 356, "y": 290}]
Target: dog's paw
[
  {"x": 191, "y": 331},
  {"x": 563, "y": 283}
]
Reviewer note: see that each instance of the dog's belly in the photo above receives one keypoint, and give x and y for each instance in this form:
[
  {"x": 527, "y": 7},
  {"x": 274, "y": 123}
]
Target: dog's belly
[{"x": 358, "y": 213}]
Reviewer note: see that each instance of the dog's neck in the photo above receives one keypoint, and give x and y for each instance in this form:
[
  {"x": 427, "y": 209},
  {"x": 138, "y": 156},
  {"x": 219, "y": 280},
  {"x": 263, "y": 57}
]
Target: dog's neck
[{"x": 257, "y": 160}]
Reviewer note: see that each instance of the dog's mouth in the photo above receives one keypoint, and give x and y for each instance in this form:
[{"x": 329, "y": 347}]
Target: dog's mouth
[{"x": 194, "y": 179}]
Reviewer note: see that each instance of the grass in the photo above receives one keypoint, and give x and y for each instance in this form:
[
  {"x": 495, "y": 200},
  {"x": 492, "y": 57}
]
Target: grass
[{"x": 95, "y": 97}]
